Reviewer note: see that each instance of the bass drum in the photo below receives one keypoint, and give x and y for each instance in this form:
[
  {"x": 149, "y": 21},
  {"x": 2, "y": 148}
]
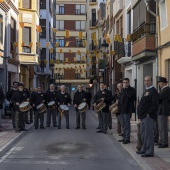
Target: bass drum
[
  {"x": 82, "y": 107},
  {"x": 24, "y": 106}
]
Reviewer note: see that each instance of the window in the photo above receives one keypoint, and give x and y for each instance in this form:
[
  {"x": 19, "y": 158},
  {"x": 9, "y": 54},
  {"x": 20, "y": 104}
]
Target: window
[
  {"x": 80, "y": 9},
  {"x": 60, "y": 57},
  {"x": 13, "y": 33},
  {"x": 43, "y": 27},
  {"x": 26, "y": 39},
  {"x": 79, "y": 43},
  {"x": 79, "y": 57},
  {"x": 42, "y": 4},
  {"x": 1, "y": 29},
  {"x": 60, "y": 9},
  {"x": 80, "y": 25},
  {"x": 26, "y": 4},
  {"x": 129, "y": 22},
  {"x": 163, "y": 14},
  {"x": 139, "y": 15},
  {"x": 43, "y": 54},
  {"x": 61, "y": 41},
  {"x": 60, "y": 25}
]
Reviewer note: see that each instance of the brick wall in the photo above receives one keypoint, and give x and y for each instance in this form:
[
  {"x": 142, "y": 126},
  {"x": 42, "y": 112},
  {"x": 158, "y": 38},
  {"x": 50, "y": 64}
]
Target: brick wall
[{"x": 145, "y": 43}]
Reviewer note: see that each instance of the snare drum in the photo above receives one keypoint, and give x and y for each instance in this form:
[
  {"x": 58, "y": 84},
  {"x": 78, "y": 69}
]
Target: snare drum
[
  {"x": 82, "y": 107},
  {"x": 52, "y": 105},
  {"x": 63, "y": 108},
  {"x": 41, "y": 108},
  {"x": 24, "y": 106}
]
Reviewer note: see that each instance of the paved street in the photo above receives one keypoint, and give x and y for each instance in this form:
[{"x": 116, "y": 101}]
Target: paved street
[{"x": 67, "y": 149}]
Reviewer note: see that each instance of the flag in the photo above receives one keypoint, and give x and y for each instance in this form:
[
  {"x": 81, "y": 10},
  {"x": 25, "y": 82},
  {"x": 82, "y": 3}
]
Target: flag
[
  {"x": 1, "y": 1},
  {"x": 30, "y": 44},
  {"x": 57, "y": 44},
  {"x": 38, "y": 28},
  {"x": 54, "y": 30},
  {"x": 83, "y": 58},
  {"x": 22, "y": 44},
  {"x": 66, "y": 60},
  {"x": 69, "y": 51},
  {"x": 90, "y": 56},
  {"x": 47, "y": 44},
  {"x": 128, "y": 37},
  {"x": 75, "y": 59},
  {"x": 67, "y": 33},
  {"x": 95, "y": 42},
  {"x": 112, "y": 52},
  {"x": 108, "y": 40},
  {"x": 84, "y": 43},
  {"x": 78, "y": 52},
  {"x": 94, "y": 36},
  {"x": 119, "y": 39},
  {"x": 67, "y": 43},
  {"x": 15, "y": 44},
  {"x": 87, "y": 52},
  {"x": 80, "y": 35},
  {"x": 51, "y": 50},
  {"x": 60, "y": 50},
  {"x": 116, "y": 37},
  {"x": 21, "y": 24},
  {"x": 105, "y": 36}
]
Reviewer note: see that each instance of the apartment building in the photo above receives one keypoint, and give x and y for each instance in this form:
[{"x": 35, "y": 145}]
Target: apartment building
[
  {"x": 28, "y": 38},
  {"x": 8, "y": 37},
  {"x": 45, "y": 68},
  {"x": 70, "y": 67},
  {"x": 164, "y": 39}
]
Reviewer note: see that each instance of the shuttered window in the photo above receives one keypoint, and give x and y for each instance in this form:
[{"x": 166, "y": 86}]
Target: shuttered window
[
  {"x": 13, "y": 33},
  {"x": 26, "y": 4},
  {"x": 26, "y": 39},
  {"x": 1, "y": 29}
]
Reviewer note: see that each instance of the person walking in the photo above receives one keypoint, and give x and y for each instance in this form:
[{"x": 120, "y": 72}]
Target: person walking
[{"x": 147, "y": 113}]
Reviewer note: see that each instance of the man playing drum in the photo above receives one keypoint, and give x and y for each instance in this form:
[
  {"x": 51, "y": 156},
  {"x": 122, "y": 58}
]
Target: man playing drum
[
  {"x": 38, "y": 99},
  {"x": 103, "y": 96},
  {"x": 63, "y": 99},
  {"x": 80, "y": 97},
  {"x": 51, "y": 100},
  {"x": 18, "y": 98}
]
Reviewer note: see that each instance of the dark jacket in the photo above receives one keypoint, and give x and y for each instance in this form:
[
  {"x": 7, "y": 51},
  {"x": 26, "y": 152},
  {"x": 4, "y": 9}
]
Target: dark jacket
[
  {"x": 9, "y": 96},
  {"x": 26, "y": 91},
  {"x": 127, "y": 100},
  {"x": 19, "y": 97},
  {"x": 148, "y": 104},
  {"x": 50, "y": 96},
  {"x": 106, "y": 94},
  {"x": 37, "y": 99},
  {"x": 79, "y": 96},
  {"x": 164, "y": 101},
  {"x": 2, "y": 97},
  {"x": 63, "y": 98}
]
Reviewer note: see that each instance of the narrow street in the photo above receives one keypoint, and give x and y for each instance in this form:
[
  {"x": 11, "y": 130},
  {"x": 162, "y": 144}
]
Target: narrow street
[{"x": 68, "y": 149}]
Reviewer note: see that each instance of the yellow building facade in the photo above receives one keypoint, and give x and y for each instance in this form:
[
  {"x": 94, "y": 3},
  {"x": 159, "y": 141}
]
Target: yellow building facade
[
  {"x": 28, "y": 37},
  {"x": 163, "y": 22}
]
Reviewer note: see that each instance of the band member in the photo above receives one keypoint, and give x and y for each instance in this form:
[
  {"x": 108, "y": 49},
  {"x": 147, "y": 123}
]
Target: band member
[
  {"x": 163, "y": 112},
  {"x": 19, "y": 97},
  {"x": 63, "y": 98},
  {"x": 2, "y": 97},
  {"x": 79, "y": 97},
  {"x": 37, "y": 99},
  {"x": 51, "y": 95},
  {"x": 105, "y": 96},
  {"x": 9, "y": 95},
  {"x": 147, "y": 113}
]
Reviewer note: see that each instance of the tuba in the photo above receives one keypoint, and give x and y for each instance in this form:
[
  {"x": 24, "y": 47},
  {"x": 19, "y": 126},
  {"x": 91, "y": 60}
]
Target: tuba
[{"x": 100, "y": 106}]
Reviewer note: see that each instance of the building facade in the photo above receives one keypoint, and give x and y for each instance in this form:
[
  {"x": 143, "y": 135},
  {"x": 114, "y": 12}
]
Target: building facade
[
  {"x": 9, "y": 64},
  {"x": 27, "y": 42},
  {"x": 70, "y": 66}
]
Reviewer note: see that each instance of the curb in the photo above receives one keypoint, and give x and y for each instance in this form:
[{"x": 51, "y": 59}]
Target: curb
[{"x": 12, "y": 142}]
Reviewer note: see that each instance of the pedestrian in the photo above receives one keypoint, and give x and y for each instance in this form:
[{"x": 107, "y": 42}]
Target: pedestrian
[
  {"x": 102, "y": 96},
  {"x": 51, "y": 96},
  {"x": 19, "y": 96},
  {"x": 88, "y": 99},
  {"x": 9, "y": 96},
  {"x": 80, "y": 96},
  {"x": 63, "y": 99},
  {"x": 147, "y": 113},
  {"x": 163, "y": 112},
  {"x": 126, "y": 108},
  {"x": 2, "y": 98},
  {"x": 38, "y": 99}
]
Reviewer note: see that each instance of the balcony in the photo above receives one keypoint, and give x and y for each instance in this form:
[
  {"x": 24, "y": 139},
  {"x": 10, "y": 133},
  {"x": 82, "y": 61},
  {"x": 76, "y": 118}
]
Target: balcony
[
  {"x": 28, "y": 59},
  {"x": 93, "y": 2},
  {"x": 143, "y": 30},
  {"x": 92, "y": 24},
  {"x": 117, "y": 7}
]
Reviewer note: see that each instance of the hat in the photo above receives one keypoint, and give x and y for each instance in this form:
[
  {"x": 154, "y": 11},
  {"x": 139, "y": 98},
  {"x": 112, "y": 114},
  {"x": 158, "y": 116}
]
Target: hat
[
  {"x": 20, "y": 84},
  {"x": 162, "y": 79}
]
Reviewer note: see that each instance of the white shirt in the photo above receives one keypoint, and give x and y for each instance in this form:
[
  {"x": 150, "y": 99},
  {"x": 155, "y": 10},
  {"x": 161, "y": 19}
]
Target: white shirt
[
  {"x": 62, "y": 92},
  {"x": 147, "y": 88},
  {"x": 164, "y": 87}
]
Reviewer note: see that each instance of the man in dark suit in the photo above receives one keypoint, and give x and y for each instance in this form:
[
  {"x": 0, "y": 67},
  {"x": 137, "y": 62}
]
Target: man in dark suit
[
  {"x": 147, "y": 113},
  {"x": 126, "y": 108},
  {"x": 163, "y": 112},
  {"x": 103, "y": 95}
]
